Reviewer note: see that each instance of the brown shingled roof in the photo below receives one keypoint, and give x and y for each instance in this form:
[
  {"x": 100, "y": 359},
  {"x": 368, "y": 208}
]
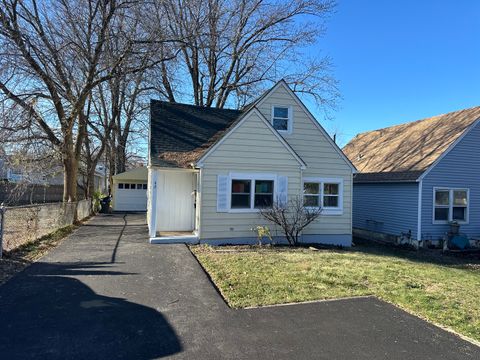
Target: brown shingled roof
[{"x": 409, "y": 147}]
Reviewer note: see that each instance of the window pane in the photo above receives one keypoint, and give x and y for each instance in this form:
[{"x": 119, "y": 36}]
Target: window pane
[
  {"x": 281, "y": 112},
  {"x": 241, "y": 186},
  {"x": 120, "y": 185},
  {"x": 441, "y": 214},
  {"x": 263, "y": 193},
  {"x": 127, "y": 186},
  {"x": 144, "y": 186},
  {"x": 310, "y": 200},
  {"x": 133, "y": 186},
  {"x": 262, "y": 201},
  {"x": 241, "y": 194},
  {"x": 139, "y": 186},
  {"x": 330, "y": 201},
  {"x": 442, "y": 197},
  {"x": 240, "y": 201},
  {"x": 460, "y": 213},
  {"x": 280, "y": 124},
  {"x": 264, "y": 186},
  {"x": 330, "y": 189},
  {"x": 311, "y": 188},
  {"x": 460, "y": 197}
]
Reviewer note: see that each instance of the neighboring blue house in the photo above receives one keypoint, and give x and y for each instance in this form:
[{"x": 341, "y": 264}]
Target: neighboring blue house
[{"x": 417, "y": 178}]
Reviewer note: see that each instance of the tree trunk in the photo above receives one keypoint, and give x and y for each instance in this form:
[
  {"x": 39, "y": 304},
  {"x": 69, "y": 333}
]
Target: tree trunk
[
  {"x": 121, "y": 157},
  {"x": 70, "y": 168},
  {"x": 90, "y": 183}
]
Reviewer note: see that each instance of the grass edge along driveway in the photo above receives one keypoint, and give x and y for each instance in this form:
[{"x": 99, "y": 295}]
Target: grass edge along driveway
[{"x": 440, "y": 289}]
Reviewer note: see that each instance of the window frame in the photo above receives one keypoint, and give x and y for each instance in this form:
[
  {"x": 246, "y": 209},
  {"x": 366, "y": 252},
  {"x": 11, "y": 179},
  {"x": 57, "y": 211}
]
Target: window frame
[
  {"x": 451, "y": 205},
  {"x": 252, "y": 178},
  {"x": 326, "y": 210},
  {"x": 289, "y": 119}
]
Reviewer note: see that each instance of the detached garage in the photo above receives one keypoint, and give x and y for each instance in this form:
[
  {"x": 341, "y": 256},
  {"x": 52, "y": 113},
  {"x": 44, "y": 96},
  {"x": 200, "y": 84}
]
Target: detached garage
[{"x": 129, "y": 190}]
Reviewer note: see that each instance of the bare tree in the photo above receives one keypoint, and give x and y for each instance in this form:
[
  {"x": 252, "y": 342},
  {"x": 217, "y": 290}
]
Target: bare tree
[
  {"x": 54, "y": 53},
  {"x": 291, "y": 217},
  {"x": 233, "y": 49}
]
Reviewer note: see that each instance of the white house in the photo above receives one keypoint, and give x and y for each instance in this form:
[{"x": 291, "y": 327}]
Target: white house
[{"x": 210, "y": 170}]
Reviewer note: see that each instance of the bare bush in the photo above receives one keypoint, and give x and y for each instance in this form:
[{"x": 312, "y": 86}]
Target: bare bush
[{"x": 292, "y": 217}]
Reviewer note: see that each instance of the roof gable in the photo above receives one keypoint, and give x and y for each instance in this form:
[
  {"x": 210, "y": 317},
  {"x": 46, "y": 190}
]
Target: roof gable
[
  {"x": 139, "y": 173},
  {"x": 247, "y": 116},
  {"x": 296, "y": 100},
  {"x": 411, "y": 147}
]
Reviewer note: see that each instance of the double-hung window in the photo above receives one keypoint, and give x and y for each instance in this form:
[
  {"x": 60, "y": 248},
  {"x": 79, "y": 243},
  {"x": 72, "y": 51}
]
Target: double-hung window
[
  {"x": 252, "y": 193},
  {"x": 450, "y": 205},
  {"x": 241, "y": 194},
  {"x": 325, "y": 193},
  {"x": 282, "y": 119}
]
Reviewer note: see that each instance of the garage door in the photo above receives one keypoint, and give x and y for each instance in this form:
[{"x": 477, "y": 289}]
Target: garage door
[{"x": 131, "y": 197}]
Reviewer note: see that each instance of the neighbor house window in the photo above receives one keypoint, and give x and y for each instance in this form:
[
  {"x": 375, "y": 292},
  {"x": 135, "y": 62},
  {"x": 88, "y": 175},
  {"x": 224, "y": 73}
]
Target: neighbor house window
[
  {"x": 282, "y": 118},
  {"x": 251, "y": 193},
  {"x": 450, "y": 205},
  {"x": 324, "y": 193}
]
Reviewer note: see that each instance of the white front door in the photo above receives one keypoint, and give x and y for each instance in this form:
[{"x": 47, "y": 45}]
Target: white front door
[{"x": 175, "y": 202}]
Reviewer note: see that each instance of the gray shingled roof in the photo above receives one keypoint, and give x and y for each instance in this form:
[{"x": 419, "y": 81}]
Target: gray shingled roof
[
  {"x": 180, "y": 134},
  {"x": 383, "y": 177}
]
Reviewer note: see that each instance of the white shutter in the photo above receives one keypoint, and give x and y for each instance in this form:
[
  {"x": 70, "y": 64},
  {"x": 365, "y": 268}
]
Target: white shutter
[
  {"x": 222, "y": 193},
  {"x": 282, "y": 189}
]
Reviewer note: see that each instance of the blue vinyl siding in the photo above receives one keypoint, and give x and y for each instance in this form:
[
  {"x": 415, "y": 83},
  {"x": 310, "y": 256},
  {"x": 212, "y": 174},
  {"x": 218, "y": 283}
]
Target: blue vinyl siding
[
  {"x": 460, "y": 168},
  {"x": 386, "y": 208}
]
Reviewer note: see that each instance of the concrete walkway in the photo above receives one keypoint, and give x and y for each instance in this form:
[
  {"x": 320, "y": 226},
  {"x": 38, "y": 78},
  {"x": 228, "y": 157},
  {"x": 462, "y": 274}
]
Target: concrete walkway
[{"x": 105, "y": 293}]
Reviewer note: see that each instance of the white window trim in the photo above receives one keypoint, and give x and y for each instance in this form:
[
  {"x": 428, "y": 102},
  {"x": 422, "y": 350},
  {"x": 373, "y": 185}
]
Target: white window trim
[
  {"x": 451, "y": 206},
  {"x": 330, "y": 211},
  {"x": 252, "y": 177},
  {"x": 290, "y": 119}
]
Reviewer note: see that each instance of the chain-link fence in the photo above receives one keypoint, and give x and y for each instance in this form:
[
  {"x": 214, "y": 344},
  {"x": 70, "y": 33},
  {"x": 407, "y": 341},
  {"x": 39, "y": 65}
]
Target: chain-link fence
[{"x": 22, "y": 224}]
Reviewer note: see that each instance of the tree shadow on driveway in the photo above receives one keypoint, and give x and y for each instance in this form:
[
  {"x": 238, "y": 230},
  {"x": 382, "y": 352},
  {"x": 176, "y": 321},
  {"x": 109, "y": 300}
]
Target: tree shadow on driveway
[{"x": 46, "y": 315}]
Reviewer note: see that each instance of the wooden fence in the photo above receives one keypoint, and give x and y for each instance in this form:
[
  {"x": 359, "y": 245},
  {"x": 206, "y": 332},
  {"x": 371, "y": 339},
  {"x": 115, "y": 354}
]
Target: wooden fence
[{"x": 12, "y": 194}]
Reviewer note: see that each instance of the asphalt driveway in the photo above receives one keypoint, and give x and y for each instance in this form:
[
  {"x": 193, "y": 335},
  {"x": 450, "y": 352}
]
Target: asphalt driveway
[{"x": 106, "y": 293}]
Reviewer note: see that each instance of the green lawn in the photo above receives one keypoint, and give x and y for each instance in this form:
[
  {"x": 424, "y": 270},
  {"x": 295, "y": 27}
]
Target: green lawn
[{"x": 441, "y": 289}]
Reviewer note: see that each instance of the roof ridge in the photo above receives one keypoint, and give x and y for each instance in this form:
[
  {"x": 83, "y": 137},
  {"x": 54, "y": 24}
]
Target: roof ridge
[
  {"x": 194, "y": 106},
  {"x": 418, "y": 121}
]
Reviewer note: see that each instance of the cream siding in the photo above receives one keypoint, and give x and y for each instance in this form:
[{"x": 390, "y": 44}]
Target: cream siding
[
  {"x": 251, "y": 148},
  {"x": 321, "y": 158}
]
